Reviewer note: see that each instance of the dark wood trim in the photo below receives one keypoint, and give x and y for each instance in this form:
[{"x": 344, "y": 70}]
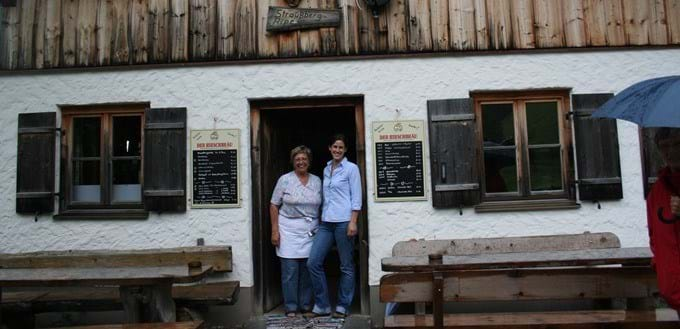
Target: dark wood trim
[
  {"x": 258, "y": 204},
  {"x": 102, "y": 214},
  {"x": 233, "y": 62}
]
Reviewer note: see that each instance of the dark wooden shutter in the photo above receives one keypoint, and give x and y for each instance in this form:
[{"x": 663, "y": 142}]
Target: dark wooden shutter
[
  {"x": 165, "y": 147},
  {"x": 35, "y": 162},
  {"x": 453, "y": 153},
  {"x": 651, "y": 158},
  {"x": 597, "y": 150}
]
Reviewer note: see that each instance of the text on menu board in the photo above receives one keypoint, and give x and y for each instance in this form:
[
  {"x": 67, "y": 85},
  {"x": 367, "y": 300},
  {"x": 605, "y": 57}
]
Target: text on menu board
[
  {"x": 215, "y": 171},
  {"x": 399, "y": 161}
]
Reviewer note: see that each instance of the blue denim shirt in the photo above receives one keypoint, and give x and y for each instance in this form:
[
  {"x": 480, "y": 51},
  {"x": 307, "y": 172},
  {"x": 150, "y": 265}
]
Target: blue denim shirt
[{"x": 341, "y": 192}]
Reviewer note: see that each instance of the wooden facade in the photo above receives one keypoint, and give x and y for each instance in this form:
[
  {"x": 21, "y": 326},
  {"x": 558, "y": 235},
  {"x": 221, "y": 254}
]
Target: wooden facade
[{"x": 36, "y": 34}]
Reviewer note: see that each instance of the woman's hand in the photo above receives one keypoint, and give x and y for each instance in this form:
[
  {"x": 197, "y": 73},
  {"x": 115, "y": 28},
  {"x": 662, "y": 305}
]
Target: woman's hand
[
  {"x": 352, "y": 229},
  {"x": 675, "y": 205},
  {"x": 276, "y": 238}
]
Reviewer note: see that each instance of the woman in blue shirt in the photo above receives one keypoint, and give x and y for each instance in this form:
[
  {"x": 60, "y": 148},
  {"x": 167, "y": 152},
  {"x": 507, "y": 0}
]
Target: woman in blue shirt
[{"x": 340, "y": 211}]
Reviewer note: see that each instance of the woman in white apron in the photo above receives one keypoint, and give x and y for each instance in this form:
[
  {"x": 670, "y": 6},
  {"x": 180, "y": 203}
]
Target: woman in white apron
[{"x": 294, "y": 213}]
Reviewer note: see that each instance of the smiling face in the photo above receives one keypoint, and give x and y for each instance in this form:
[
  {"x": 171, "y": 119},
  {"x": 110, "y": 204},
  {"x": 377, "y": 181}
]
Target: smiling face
[
  {"x": 337, "y": 150},
  {"x": 670, "y": 151},
  {"x": 301, "y": 163}
]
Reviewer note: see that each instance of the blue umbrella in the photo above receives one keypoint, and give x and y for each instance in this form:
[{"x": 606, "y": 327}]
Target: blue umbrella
[{"x": 649, "y": 103}]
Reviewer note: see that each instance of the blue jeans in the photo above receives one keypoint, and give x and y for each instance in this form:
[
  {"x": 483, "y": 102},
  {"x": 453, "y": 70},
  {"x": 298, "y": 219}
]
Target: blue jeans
[
  {"x": 296, "y": 286},
  {"x": 323, "y": 241}
]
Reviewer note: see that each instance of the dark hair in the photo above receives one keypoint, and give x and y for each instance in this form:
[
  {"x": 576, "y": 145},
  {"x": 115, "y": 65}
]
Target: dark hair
[
  {"x": 338, "y": 137},
  {"x": 301, "y": 149},
  {"x": 665, "y": 133}
]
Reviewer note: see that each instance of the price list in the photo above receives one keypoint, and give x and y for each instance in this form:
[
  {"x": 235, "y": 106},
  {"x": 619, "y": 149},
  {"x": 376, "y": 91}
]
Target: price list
[
  {"x": 215, "y": 177},
  {"x": 399, "y": 169}
]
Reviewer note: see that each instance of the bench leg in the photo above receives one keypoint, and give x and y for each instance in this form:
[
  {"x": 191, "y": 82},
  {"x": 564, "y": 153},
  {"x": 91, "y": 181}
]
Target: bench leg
[
  {"x": 161, "y": 305},
  {"x": 438, "y": 299},
  {"x": 149, "y": 303},
  {"x": 132, "y": 299}
]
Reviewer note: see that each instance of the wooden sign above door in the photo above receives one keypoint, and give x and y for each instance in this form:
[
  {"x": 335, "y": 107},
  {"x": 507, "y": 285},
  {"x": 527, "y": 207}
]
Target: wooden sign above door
[{"x": 280, "y": 19}]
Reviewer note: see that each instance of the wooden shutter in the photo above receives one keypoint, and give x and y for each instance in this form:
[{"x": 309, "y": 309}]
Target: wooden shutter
[
  {"x": 651, "y": 158},
  {"x": 597, "y": 150},
  {"x": 453, "y": 153},
  {"x": 35, "y": 162},
  {"x": 165, "y": 147}
]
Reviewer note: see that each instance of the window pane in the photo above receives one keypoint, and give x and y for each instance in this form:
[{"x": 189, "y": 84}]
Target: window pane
[
  {"x": 126, "y": 185},
  {"x": 545, "y": 169},
  {"x": 86, "y": 183},
  {"x": 498, "y": 124},
  {"x": 500, "y": 170},
  {"x": 542, "y": 123},
  {"x": 127, "y": 135},
  {"x": 86, "y": 137}
]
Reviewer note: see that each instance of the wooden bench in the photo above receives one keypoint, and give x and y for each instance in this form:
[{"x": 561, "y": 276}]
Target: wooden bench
[
  {"x": 632, "y": 286},
  {"x": 19, "y": 304}
]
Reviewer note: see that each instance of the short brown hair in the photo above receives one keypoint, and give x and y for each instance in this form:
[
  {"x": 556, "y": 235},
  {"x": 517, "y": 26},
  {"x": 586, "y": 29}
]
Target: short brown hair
[{"x": 301, "y": 149}]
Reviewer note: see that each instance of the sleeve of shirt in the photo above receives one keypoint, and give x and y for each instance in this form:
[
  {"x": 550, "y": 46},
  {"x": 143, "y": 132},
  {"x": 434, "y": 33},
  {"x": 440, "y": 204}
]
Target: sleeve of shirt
[
  {"x": 355, "y": 188},
  {"x": 277, "y": 195}
]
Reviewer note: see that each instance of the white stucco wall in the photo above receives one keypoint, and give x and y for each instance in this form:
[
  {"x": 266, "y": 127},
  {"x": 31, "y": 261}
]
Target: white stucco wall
[{"x": 393, "y": 89}]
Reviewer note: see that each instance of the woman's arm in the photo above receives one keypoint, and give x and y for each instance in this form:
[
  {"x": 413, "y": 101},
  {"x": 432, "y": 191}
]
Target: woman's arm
[
  {"x": 355, "y": 200},
  {"x": 274, "y": 216}
]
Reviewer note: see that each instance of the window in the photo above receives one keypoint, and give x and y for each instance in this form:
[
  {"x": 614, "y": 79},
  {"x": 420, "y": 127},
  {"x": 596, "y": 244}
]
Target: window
[
  {"x": 102, "y": 158},
  {"x": 523, "y": 140}
]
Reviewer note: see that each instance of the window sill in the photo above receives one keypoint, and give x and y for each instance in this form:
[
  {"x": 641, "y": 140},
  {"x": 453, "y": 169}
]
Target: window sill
[
  {"x": 95, "y": 214},
  {"x": 527, "y": 205}
]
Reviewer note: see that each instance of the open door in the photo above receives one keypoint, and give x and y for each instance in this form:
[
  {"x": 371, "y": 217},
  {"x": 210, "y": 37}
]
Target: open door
[{"x": 277, "y": 126}]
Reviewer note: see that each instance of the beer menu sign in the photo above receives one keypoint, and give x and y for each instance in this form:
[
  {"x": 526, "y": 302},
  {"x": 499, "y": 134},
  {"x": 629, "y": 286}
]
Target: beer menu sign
[
  {"x": 399, "y": 160},
  {"x": 214, "y": 172}
]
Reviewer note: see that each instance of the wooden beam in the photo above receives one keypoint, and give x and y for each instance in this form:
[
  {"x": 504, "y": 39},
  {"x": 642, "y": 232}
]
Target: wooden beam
[
  {"x": 159, "y": 25},
  {"x": 507, "y": 244},
  {"x": 179, "y": 30},
  {"x": 420, "y": 28},
  {"x": 217, "y": 256},
  {"x": 522, "y": 284},
  {"x": 139, "y": 31},
  {"x": 523, "y": 24}
]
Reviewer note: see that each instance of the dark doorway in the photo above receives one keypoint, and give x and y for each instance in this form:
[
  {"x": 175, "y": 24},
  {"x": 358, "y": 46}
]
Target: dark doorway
[{"x": 277, "y": 127}]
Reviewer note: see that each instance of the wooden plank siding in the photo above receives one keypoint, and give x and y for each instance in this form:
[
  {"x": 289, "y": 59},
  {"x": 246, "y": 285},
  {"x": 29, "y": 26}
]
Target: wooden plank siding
[{"x": 40, "y": 34}]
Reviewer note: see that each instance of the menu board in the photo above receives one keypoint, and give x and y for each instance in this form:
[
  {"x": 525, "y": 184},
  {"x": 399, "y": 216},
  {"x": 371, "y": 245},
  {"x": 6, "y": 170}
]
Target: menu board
[
  {"x": 214, "y": 173},
  {"x": 399, "y": 160}
]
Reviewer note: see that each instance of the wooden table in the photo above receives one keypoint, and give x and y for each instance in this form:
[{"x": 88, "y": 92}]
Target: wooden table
[
  {"x": 146, "y": 292},
  {"x": 438, "y": 265}
]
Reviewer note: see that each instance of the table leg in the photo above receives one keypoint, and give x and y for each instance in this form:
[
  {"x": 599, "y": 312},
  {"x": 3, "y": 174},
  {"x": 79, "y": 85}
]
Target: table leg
[{"x": 438, "y": 299}]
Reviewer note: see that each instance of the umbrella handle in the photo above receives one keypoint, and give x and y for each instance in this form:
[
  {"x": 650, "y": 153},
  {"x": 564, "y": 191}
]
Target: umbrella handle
[{"x": 664, "y": 220}]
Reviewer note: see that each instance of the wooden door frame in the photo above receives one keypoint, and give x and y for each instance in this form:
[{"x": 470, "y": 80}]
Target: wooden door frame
[{"x": 259, "y": 206}]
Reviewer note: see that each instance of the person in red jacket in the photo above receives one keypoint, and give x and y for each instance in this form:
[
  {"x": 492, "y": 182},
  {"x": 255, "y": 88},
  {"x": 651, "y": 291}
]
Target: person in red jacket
[{"x": 663, "y": 217}]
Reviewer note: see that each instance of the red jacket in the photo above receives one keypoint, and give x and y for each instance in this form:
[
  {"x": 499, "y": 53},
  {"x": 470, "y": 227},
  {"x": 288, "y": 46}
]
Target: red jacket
[{"x": 664, "y": 237}]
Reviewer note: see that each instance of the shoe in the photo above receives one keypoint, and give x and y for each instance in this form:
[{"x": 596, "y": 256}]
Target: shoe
[
  {"x": 339, "y": 315},
  {"x": 290, "y": 314},
  {"x": 311, "y": 315}
]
